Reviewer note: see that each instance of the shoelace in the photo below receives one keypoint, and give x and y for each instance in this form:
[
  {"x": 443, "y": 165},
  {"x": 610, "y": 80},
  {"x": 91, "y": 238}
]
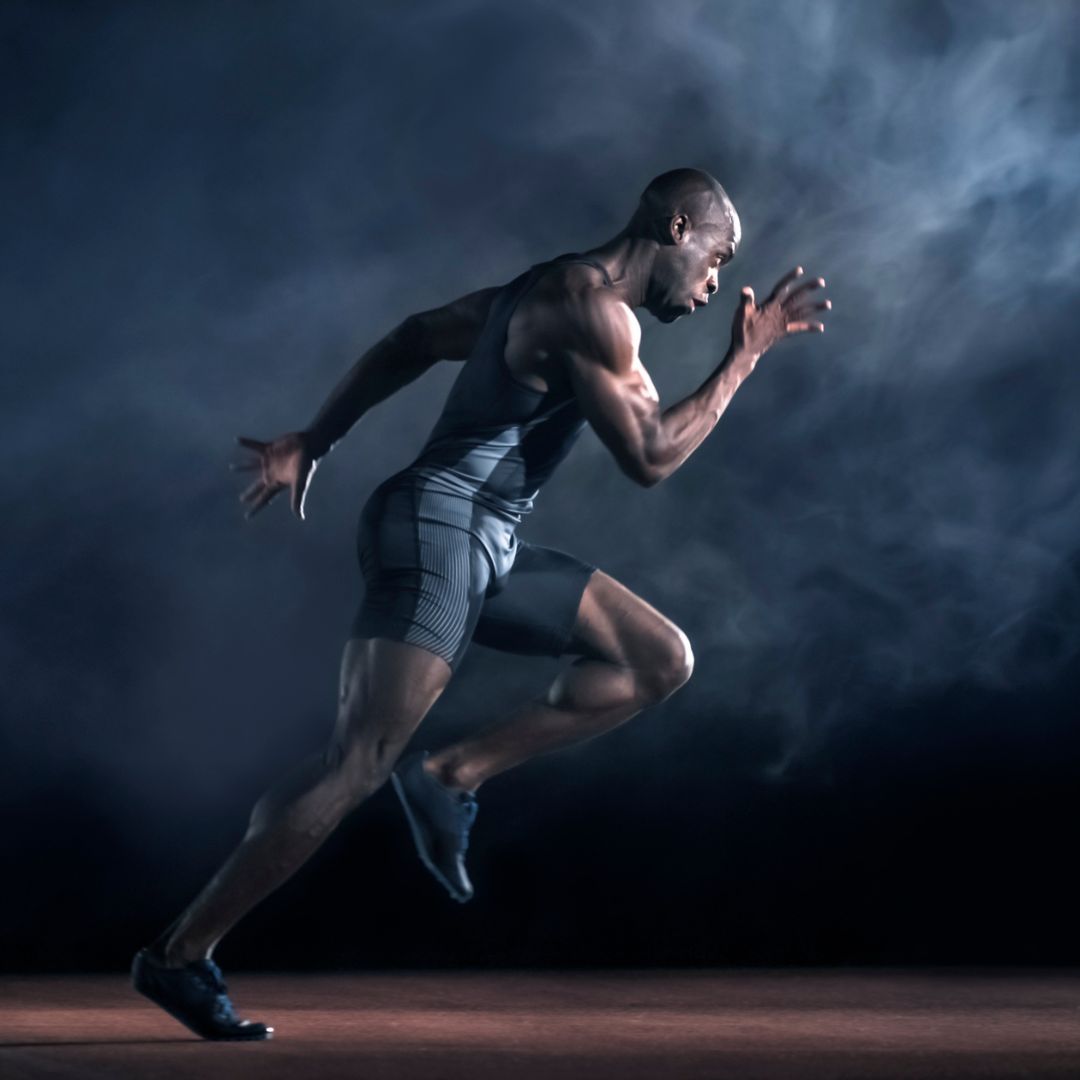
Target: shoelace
[
  {"x": 223, "y": 1007},
  {"x": 214, "y": 977},
  {"x": 467, "y": 812}
]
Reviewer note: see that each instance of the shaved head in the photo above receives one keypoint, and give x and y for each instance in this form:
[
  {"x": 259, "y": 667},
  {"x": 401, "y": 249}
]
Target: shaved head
[
  {"x": 685, "y": 230},
  {"x": 692, "y": 192}
]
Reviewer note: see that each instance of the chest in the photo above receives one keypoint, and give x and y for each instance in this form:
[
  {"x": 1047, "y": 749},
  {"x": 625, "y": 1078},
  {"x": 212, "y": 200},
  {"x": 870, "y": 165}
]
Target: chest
[{"x": 526, "y": 358}]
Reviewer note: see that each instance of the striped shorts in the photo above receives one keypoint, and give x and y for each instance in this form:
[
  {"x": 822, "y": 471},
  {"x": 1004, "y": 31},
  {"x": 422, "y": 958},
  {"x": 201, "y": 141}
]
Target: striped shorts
[{"x": 441, "y": 571}]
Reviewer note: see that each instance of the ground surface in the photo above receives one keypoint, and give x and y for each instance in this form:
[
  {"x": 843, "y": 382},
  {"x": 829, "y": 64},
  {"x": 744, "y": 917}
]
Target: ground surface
[{"x": 519, "y": 1026}]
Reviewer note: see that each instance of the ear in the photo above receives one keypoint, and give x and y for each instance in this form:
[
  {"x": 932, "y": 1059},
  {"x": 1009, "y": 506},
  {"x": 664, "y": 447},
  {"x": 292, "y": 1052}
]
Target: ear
[{"x": 679, "y": 228}]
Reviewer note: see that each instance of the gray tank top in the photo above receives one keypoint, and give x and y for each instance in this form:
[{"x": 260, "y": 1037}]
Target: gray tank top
[{"x": 497, "y": 439}]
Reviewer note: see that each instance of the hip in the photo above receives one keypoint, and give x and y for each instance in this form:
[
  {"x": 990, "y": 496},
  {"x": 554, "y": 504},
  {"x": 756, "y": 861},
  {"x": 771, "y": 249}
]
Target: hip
[{"x": 409, "y": 515}]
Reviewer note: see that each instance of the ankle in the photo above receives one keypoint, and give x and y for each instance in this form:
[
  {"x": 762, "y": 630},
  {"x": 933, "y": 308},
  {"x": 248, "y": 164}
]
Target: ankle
[
  {"x": 451, "y": 773},
  {"x": 175, "y": 956}
]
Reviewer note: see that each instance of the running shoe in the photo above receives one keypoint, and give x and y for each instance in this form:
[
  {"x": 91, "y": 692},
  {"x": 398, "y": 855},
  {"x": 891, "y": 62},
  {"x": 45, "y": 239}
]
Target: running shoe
[
  {"x": 196, "y": 995},
  {"x": 440, "y": 820}
]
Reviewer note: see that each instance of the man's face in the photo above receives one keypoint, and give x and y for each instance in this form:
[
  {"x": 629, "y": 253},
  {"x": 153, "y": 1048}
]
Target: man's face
[{"x": 684, "y": 274}]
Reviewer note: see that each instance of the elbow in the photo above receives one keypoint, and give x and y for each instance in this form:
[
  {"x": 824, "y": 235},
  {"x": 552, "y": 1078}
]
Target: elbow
[
  {"x": 639, "y": 460},
  {"x": 645, "y": 474},
  {"x": 651, "y": 464},
  {"x": 653, "y": 461}
]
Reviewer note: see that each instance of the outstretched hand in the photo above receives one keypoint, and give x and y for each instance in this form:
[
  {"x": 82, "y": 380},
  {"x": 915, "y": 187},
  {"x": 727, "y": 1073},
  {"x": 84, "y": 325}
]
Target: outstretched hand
[
  {"x": 757, "y": 327},
  {"x": 285, "y": 462}
]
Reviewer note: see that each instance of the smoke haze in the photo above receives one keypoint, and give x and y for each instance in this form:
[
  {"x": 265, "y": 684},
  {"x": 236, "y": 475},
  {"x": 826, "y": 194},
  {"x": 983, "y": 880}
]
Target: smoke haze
[{"x": 212, "y": 210}]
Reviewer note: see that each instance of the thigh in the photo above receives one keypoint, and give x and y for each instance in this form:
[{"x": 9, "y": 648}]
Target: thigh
[
  {"x": 617, "y": 625},
  {"x": 536, "y": 608},
  {"x": 424, "y": 578},
  {"x": 384, "y": 677},
  {"x": 385, "y": 690}
]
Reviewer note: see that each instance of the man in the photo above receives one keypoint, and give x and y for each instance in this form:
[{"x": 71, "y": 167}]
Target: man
[{"x": 555, "y": 348}]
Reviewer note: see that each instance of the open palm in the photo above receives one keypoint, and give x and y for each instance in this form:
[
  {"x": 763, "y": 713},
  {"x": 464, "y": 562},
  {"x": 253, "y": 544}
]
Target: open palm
[
  {"x": 786, "y": 311},
  {"x": 284, "y": 462}
]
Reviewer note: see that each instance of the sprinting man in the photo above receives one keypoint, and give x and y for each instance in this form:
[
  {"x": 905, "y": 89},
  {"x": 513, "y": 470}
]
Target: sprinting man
[{"x": 442, "y": 563}]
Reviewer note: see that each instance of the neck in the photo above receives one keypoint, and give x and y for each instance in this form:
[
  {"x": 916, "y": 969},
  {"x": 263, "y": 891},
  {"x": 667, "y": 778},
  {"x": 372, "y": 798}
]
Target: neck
[{"x": 628, "y": 260}]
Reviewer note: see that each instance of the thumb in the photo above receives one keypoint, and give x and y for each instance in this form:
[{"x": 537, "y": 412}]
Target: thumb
[
  {"x": 300, "y": 487},
  {"x": 747, "y": 295},
  {"x": 299, "y": 493}
]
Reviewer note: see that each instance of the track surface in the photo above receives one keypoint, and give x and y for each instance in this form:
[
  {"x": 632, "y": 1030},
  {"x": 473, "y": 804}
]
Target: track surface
[{"x": 742, "y": 1024}]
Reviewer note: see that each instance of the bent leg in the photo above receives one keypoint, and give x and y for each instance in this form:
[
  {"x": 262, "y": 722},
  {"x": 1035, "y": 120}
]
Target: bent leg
[
  {"x": 631, "y": 657},
  {"x": 386, "y": 688}
]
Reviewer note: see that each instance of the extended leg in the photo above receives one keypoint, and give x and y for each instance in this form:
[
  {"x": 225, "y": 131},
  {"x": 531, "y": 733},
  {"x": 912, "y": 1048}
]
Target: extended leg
[
  {"x": 632, "y": 657},
  {"x": 386, "y": 689}
]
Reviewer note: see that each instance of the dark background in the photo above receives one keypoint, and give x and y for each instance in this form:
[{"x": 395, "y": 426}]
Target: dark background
[{"x": 211, "y": 209}]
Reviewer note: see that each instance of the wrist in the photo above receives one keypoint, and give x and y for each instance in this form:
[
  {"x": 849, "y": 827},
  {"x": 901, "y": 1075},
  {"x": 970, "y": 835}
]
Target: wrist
[
  {"x": 740, "y": 361},
  {"x": 316, "y": 441}
]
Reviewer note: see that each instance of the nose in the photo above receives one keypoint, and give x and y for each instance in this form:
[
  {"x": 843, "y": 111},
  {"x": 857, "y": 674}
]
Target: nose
[{"x": 711, "y": 284}]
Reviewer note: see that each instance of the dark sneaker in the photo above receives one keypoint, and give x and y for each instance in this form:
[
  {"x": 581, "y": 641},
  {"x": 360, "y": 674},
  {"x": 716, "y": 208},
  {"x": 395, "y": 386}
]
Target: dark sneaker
[
  {"x": 196, "y": 995},
  {"x": 440, "y": 820}
]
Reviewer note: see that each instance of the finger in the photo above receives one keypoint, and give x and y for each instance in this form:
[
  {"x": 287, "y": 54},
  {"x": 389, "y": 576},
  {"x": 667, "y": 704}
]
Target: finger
[
  {"x": 807, "y": 309},
  {"x": 252, "y": 491},
  {"x": 748, "y": 295},
  {"x": 786, "y": 280},
  {"x": 255, "y": 493},
  {"x": 251, "y": 444},
  {"x": 806, "y": 286},
  {"x": 257, "y": 489},
  {"x": 245, "y": 466},
  {"x": 801, "y": 327},
  {"x": 261, "y": 501}
]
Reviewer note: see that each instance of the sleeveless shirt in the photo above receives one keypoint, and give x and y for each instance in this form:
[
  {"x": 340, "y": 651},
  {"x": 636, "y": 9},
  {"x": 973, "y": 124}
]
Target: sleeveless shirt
[{"x": 497, "y": 440}]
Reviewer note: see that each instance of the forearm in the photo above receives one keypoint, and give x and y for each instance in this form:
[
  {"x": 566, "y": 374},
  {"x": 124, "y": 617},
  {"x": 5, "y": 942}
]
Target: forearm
[
  {"x": 391, "y": 363},
  {"x": 682, "y": 428}
]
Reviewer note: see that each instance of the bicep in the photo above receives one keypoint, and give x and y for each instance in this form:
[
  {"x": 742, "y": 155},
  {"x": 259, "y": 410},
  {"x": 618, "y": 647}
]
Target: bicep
[
  {"x": 615, "y": 397},
  {"x": 450, "y": 332}
]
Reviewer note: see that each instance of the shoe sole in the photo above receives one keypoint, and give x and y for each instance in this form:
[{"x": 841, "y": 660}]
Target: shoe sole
[{"x": 419, "y": 839}]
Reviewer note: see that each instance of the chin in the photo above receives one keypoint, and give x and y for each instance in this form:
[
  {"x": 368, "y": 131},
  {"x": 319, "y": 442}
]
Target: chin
[{"x": 671, "y": 314}]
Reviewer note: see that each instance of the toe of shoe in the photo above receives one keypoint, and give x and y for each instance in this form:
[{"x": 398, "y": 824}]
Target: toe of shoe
[
  {"x": 460, "y": 888},
  {"x": 248, "y": 1030}
]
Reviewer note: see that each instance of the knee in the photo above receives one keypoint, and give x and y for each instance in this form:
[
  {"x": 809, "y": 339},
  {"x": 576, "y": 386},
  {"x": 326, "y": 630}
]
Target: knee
[
  {"x": 360, "y": 762},
  {"x": 364, "y": 764},
  {"x": 672, "y": 666}
]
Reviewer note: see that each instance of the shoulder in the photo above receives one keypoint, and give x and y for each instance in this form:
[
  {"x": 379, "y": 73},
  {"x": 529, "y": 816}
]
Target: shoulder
[{"x": 588, "y": 321}]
